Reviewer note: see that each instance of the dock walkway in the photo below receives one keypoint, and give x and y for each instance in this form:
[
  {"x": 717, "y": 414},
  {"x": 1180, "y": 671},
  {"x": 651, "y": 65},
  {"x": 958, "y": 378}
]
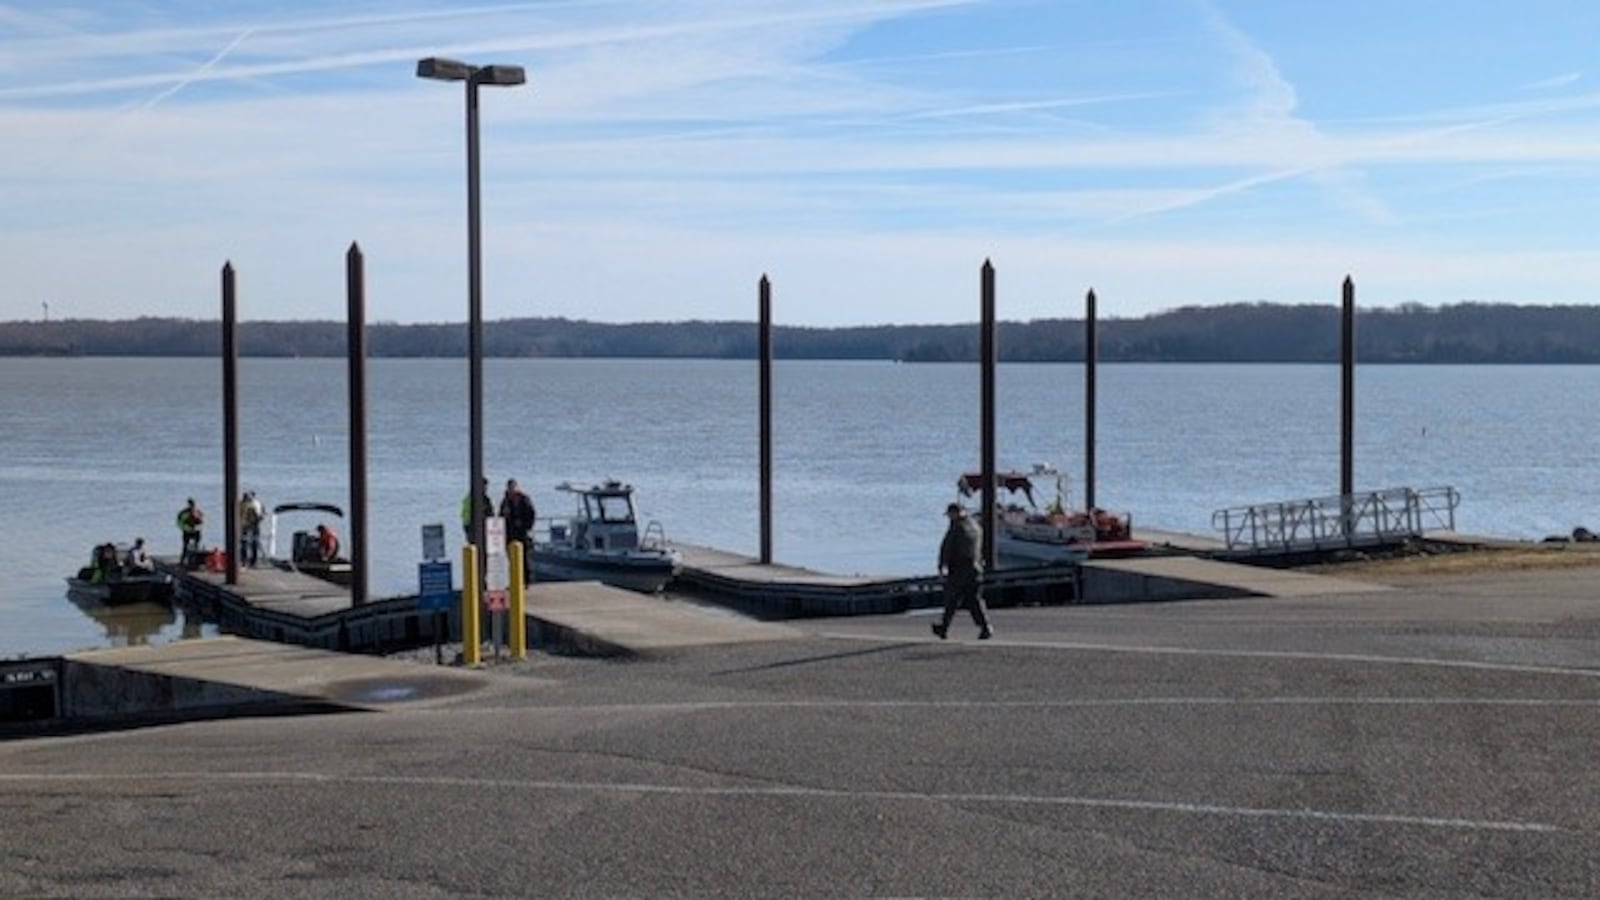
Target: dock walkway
[
  {"x": 289, "y": 607},
  {"x": 778, "y": 589},
  {"x": 587, "y": 617},
  {"x": 278, "y": 605}
]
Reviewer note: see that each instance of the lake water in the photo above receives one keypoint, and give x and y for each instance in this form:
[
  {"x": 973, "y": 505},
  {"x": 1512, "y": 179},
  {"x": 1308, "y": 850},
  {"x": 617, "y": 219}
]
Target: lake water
[{"x": 866, "y": 453}]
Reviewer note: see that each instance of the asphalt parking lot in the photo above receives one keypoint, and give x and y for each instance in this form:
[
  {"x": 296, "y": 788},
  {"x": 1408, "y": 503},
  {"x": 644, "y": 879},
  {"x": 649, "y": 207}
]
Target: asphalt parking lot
[{"x": 1438, "y": 740}]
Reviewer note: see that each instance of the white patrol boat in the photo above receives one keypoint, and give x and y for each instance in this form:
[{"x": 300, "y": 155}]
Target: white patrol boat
[{"x": 601, "y": 541}]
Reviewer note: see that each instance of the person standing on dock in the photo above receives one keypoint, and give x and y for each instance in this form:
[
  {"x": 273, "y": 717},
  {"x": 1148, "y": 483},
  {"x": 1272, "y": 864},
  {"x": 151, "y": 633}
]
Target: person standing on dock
[
  {"x": 466, "y": 509},
  {"x": 190, "y": 518},
  {"x": 960, "y": 564},
  {"x": 517, "y": 509},
  {"x": 250, "y": 516}
]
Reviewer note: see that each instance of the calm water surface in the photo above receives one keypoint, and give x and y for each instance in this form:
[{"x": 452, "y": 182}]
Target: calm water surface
[{"x": 866, "y": 454}]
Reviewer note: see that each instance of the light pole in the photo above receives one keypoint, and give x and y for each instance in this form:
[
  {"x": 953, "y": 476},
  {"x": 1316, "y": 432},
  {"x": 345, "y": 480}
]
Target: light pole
[{"x": 499, "y": 76}]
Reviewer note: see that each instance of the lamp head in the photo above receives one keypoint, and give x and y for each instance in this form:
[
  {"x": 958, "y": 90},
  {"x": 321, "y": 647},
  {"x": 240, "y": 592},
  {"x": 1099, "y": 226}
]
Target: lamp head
[
  {"x": 503, "y": 76},
  {"x": 441, "y": 69}
]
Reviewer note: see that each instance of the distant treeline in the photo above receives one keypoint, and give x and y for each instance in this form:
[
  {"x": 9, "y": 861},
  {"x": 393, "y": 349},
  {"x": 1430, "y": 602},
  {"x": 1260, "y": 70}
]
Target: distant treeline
[{"x": 1240, "y": 332}]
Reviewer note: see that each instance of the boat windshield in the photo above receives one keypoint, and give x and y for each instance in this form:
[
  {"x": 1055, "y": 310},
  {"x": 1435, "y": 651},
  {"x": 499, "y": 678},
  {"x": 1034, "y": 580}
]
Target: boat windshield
[{"x": 611, "y": 508}]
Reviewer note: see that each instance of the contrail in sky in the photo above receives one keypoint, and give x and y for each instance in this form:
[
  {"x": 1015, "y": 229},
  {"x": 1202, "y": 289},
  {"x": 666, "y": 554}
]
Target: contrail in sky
[{"x": 198, "y": 73}]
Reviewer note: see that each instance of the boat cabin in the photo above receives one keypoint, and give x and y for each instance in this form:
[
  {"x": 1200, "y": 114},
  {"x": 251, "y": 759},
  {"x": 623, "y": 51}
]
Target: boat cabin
[{"x": 605, "y": 518}]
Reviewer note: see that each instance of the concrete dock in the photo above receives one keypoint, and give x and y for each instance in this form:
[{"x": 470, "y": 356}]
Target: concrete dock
[
  {"x": 233, "y": 675},
  {"x": 1189, "y": 578},
  {"x": 279, "y": 605},
  {"x": 598, "y": 620}
]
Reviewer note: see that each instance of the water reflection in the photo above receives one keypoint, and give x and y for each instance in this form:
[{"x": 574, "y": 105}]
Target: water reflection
[{"x": 131, "y": 624}]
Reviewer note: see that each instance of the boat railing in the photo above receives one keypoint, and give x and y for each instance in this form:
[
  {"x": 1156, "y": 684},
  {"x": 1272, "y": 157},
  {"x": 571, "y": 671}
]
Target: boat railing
[
  {"x": 1341, "y": 521},
  {"x": 654, "y": 536}
]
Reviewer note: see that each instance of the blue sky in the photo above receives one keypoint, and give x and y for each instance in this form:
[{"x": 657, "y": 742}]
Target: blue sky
[{"x": 867, "y": 154}]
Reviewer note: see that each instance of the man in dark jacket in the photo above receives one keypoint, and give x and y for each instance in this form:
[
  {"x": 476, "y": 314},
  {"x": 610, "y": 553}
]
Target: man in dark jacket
[
  {"x": 517, "y": 509},
  {"x": 961, "y": 564}
]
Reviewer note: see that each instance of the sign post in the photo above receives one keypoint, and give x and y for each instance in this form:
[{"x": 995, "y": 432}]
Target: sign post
[
  {"x": 434, "y": 589},
  {"x": 496, "y": 579}
]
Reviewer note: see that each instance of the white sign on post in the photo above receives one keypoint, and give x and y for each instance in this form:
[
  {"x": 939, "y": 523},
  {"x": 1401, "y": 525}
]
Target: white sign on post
[
  {"x": 494, "y": 534},
  {"x": 497, "y": 568},
  {"x": 433, "y": 542}
]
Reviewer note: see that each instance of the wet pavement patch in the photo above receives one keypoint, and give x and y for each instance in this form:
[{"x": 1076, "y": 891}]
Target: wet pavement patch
[{"x": 380, "y": 691}]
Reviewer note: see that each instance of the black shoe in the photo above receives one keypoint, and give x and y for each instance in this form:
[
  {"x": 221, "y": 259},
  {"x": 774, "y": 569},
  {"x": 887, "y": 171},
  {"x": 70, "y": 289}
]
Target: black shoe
[
  {"x": 940, "y": 630},
  {"x": 985, "y": 634}
]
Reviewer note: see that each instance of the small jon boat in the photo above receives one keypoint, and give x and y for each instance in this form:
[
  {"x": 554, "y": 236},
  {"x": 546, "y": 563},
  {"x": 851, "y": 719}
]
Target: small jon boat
[{"x": 111, "y": 583}]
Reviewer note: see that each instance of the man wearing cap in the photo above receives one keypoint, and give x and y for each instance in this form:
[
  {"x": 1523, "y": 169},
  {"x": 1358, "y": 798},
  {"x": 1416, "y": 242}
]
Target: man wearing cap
[
  {"x": 960, "y": 564},
  {"x": 250, "y": 515}
]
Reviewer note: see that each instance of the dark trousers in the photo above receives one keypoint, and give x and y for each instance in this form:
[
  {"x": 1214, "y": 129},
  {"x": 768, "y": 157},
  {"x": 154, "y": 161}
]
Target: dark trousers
[
  {"x": 961, "y": 590},
  {"x": 249, "y": 545},
  {"x": 191, "y": 546}
]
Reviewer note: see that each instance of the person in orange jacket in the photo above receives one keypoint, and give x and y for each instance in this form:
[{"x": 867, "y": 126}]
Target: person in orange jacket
[{"x": 327, "y": 544}]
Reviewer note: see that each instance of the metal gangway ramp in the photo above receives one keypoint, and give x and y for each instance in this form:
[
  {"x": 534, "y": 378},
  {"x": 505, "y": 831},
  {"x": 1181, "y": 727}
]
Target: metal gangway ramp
[{"x": 1342, "y": 521}]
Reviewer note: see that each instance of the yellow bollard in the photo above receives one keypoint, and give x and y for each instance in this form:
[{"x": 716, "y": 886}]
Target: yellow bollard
[
  {"x": 471, "y": 642},
  {"x": 519, "y": 603}
]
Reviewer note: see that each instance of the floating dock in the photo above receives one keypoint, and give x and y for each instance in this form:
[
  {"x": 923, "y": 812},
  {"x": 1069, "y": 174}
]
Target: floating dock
[
  {"x": 778, "y": 590},
  {"x": 289, "y": 607}
]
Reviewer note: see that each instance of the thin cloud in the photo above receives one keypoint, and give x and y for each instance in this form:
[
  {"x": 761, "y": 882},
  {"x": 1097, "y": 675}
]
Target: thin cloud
[
  {"x": 1560, "y": 81},
  {"x": 1271, "y": 112},
  {"x": 584, "y": 37},
  {"x": 984, "y": 109}
]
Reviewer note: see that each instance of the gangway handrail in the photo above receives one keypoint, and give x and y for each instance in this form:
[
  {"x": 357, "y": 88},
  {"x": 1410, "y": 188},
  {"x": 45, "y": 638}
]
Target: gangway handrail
[{"x": 1376, "y": 517}]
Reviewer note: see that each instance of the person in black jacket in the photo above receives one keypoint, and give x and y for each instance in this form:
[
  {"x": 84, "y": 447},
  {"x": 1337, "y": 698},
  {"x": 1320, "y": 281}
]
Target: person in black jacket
[
  {"x": 517, "y": 509},
  {"x": 961, "y": 564}
]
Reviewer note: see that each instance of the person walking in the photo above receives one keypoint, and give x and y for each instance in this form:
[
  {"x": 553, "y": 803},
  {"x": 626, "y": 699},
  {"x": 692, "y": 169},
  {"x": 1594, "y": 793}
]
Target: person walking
[
  {"x": 190, "y": 519},
  {"x": 961, "y": 565},
  {"x": 250, "y": 515},
  {"x": 517, "y": 509}
]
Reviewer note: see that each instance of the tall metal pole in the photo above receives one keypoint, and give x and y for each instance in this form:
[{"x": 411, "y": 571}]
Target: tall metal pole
[
  {"x": 766, "y": 420},
  {"x": 441, "y": 69},
  {"x": 986, "y": 340},
  {"x": 230, "y": 423},
  {"x": 1347, "y": 429},
  {"x": 356, "y": 350},
  {"x": 1091, "y": 360},
  {"x": 475, "y": 323}
]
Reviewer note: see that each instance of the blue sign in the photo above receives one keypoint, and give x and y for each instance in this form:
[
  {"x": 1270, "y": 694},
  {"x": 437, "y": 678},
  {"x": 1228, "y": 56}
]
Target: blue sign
[{"x": 434, "y": 590}]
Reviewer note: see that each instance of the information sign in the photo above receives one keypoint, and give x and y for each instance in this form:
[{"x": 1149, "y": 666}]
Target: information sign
[
  {"x": 434, "y": 590},
  {"x": 497, "y": 583},
  {"x": 433, "y": 542},
  {"x": 494, "y": 534}
]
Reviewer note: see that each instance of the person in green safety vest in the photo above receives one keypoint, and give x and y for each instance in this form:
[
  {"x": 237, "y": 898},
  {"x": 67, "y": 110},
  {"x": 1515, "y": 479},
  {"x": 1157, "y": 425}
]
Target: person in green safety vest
[
  {"x": 190, "y": 519},
  {"x": 466, "y": 509}
]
